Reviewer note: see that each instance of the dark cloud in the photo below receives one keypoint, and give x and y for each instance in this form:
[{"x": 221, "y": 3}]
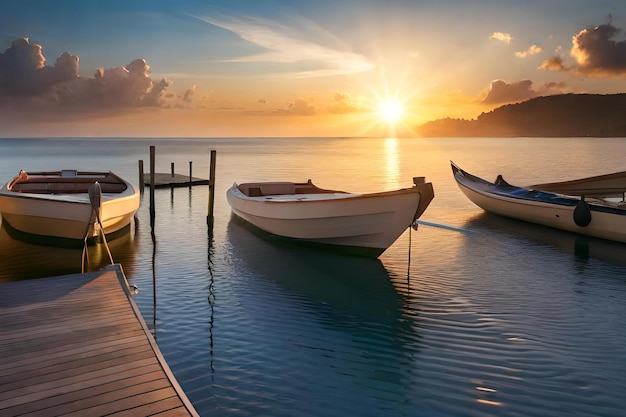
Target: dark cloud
[
  {"x": 25, "y": 78},
  {"x": 23, "y": 70},
  {"x": 597, "y": 51},
  {"x": 502, "y": 92}
]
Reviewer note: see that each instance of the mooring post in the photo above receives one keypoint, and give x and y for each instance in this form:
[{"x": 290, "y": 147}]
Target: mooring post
[
  {"x": 209, "y": 219},
  {"x": 172, "y": 169},
  {"x": 152, "y": 160},
  {"x": 141, "y": 181},
  {"x": 190, "y": 162}
]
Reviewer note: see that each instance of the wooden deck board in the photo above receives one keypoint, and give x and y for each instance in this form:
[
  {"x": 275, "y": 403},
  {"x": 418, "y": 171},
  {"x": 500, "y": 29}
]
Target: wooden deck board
[
  {"x": 67, "y": 351},
  {"x": 77, "y": 345},
  {"x": 88, "y": 393}
]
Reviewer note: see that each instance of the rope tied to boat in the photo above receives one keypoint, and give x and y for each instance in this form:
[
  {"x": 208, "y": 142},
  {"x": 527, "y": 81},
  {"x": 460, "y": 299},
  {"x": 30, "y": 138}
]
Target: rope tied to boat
[{"x": 95, "y": 198}]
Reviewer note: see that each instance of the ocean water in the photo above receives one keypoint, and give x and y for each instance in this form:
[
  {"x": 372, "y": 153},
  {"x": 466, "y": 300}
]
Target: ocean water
[{"x": 470, "y": 315}]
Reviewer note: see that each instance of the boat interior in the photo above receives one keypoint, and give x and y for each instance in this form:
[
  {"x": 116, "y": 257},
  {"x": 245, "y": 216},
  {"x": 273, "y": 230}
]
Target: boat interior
[
  {"x": 65, "y": 182},
  {"x": 260, "y": 189}
]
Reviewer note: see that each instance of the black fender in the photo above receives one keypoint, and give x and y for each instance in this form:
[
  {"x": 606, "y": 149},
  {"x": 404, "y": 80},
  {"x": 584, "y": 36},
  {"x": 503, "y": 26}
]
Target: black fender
[{"x": 582, "y": 213}]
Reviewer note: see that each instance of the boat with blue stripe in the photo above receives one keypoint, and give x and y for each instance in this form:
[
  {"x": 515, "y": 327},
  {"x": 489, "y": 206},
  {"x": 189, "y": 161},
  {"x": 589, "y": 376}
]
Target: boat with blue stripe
[{"x": 593, "y": 206}]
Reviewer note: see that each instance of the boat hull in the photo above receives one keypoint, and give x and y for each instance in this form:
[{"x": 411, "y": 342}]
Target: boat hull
[
  {"x": 364, "y": 224},
  {"x": 544, "y": 208}
]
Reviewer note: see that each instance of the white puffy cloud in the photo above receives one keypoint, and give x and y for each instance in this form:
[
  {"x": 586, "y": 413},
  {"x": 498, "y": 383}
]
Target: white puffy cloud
[{"x": 501, "y": 36}]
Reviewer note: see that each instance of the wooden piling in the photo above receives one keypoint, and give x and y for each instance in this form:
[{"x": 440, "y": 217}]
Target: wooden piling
[
  {"x": 190, "y": 177},
  {"x": 152, "y": 163},
  {"x": 172, "y": 164},
  {"x": 209, "y": 218},
  {"x": 141, "y": 181}
]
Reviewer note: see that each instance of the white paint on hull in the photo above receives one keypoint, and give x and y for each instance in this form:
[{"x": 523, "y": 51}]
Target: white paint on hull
[{"x": 372, "y": 221}]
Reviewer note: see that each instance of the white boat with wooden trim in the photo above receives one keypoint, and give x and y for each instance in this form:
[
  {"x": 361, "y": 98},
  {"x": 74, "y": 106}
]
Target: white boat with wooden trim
[
  {"x": 361, "y": 224},
  {"x": 591, "y": 206},
  {"x": 57, "y": 204}
]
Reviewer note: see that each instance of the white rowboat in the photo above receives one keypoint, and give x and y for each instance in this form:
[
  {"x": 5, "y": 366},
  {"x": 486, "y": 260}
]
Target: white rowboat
[
  {"x": 361, "y": 224},
  {"x": 57, "y": 204},
  {"x": 592, "y": 206}
]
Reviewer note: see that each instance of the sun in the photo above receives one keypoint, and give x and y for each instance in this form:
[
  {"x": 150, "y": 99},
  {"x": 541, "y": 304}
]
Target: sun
[{"x": 391, "y": 111}]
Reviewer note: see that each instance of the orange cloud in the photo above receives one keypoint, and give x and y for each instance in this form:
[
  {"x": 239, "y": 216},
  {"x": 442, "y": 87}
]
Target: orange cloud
[
  {"x": 532, "y": 50},
  {"x": 300, "y": 107},
  {"x": 343, "y": 104},
  {"x": 554, "y": 63}
]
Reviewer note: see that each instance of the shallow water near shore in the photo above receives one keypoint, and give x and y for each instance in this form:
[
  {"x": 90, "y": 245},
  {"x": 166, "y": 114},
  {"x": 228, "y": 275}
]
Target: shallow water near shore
[{"x": 470, "y": 315}]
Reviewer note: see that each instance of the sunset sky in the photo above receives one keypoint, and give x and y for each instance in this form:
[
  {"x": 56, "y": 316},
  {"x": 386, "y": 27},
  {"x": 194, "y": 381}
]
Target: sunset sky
[{"x": 233, "y": 68}]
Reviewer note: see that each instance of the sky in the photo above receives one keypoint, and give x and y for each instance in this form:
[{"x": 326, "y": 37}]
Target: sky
[{"x": 298, "y": 68}]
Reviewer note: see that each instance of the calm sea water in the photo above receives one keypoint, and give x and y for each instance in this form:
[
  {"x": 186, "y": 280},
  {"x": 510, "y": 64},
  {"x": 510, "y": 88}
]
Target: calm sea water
[{"x": 470, "y": 315}]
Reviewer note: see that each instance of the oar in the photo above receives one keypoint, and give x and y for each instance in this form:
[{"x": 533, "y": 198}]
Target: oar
[{"x": 95, "y": 197}]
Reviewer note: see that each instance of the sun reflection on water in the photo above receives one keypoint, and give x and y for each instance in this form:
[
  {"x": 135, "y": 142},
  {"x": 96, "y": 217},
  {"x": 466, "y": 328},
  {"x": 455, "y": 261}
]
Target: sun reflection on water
[{"x": 392, "y": 165}]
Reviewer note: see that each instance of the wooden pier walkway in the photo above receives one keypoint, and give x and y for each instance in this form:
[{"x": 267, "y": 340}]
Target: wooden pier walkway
[
  {"x": 76, "y": 345},
  {"x": 162, "y": 180}
]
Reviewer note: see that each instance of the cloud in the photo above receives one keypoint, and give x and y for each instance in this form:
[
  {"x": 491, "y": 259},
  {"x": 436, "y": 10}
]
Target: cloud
[
  {"x": 23, "y": 70},
  {"x": 532, "y": 50},
  {"x": 300, "y": 107},
  {"x": 343, "y": 104},
  {"x": 554, "y": 63},
  {"x": 596, "y": 50},
  {"x": 26, "y": 80},
  {"x": 501, "y": 92},
  {"x": 285, "y": 45},
  {"x": 500, "y": 36}
]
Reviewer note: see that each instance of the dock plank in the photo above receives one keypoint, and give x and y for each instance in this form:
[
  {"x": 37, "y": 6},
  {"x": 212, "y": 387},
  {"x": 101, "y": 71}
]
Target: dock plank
[
  {"x": 88, "y": 393},
  {"x": 77, "y": 345}
]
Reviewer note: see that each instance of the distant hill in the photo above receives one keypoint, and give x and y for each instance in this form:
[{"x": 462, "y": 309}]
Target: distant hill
[{"x": 550, "y": 116}]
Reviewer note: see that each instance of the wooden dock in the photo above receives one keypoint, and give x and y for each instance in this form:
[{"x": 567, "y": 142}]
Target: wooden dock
[
  {"x": 162, "y": 180},
  {"x": 76, "y": 345}
]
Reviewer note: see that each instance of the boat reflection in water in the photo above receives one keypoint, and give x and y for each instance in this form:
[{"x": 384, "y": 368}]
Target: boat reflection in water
[
  {"x": 356, "y": 285},
  {"x": 326, "y": 302},
  {"x": 22, "y": 257},
  {"x": 583, "y": 248}
]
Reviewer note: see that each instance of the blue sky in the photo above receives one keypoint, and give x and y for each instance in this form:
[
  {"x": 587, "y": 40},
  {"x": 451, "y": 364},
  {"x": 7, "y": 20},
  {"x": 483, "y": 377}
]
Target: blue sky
[{"x": 298, "y": 68}]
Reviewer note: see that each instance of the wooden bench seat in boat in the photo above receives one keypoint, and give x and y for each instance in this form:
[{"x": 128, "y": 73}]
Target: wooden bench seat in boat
[{"x": 261, "y": 189}]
